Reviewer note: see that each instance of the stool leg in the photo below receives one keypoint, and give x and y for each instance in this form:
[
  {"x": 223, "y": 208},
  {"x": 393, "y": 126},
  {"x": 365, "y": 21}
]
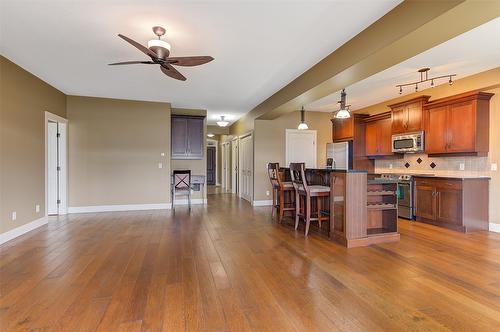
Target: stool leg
[
  {"x": 307, "y": 212},
  {"x": 297, "y": 210},
  {"x": 318, "y": 206},
  {"x": 281, "y": 205}
]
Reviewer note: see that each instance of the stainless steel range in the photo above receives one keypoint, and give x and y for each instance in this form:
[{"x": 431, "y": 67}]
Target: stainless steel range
[{"x": 405, "y": 194}]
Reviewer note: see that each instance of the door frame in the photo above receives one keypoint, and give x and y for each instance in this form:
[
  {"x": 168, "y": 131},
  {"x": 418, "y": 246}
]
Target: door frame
[
  {"x": 63, "y": 161},
  {"x": 297, "y": 131},
  {"x": 217, "y": 183}
]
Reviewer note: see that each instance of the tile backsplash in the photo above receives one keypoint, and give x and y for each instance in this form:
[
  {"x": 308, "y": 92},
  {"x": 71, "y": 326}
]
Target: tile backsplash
[{"x": 418, "y": 163}]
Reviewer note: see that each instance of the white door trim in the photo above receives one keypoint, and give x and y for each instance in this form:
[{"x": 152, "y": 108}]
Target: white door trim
[
  {"x": 63, "y": 161},
  {"x": 297, "y": 131},
  {"x": 234, "y": 165}
]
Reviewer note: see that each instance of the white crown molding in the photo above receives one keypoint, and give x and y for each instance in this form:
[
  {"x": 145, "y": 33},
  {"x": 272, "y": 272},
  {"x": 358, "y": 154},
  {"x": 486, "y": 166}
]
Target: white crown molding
[
  {"x": 18, "y": 231},
  {"x": 268, "y": 202},
  {"x": 494, "y": 227},
  {"x": 116, "y": 208}
]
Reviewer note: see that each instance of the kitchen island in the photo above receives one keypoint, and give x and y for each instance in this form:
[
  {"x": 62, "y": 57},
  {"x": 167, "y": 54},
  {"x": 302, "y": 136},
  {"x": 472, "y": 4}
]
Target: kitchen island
[{"x": 362, "y": 211}]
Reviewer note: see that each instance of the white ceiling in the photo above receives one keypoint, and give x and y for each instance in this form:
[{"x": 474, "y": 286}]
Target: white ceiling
[
  {"x": 258, "y": 46},
  {"x": 472, "y": 52}
]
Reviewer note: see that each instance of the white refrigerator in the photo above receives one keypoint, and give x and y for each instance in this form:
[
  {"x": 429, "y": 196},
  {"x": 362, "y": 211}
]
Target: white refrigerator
[{"x": 341, "y": 154}]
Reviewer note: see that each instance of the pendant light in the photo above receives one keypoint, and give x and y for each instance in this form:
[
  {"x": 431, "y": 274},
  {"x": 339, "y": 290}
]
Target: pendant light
[
  {"x": 222, "y": 122},
  {"x": 343, "y": 112},
  {"x": 302, "y": 124}
]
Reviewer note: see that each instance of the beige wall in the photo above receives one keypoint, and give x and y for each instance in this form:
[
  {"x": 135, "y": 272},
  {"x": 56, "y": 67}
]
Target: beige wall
[
  {"x": 269, "y": 144},
  {"x": 114, "y": 150},
  {"x": 23, "y": 101},
  {"x": 488, "y": 81},
  {"x": 197, "y": 166}
]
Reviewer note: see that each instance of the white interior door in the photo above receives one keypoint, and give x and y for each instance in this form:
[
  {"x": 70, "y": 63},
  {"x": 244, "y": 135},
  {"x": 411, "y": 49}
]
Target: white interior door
[
  {"x": 223, "y": 170},
  {"x": 227, "y": 173},
  {"x": 52, "y": 172},
  {"x": 246, "y": 167},
  {"x": 301, "y": 147},
  {"x": 234, "y": 166}
]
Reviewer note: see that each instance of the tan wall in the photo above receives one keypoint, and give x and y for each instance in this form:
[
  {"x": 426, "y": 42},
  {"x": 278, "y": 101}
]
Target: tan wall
[
  {"x": 24, "y": 99},
  {"x": 269, "y": 144},
  {"x": 488, "y": 81},
  {"x": 114, "y": 150},
  {"x": 198, "y": 166}
]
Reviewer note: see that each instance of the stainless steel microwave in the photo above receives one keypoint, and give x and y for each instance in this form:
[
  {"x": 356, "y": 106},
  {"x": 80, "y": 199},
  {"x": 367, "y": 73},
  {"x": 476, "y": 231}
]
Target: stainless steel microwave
[{"x": 408, "y": 142}]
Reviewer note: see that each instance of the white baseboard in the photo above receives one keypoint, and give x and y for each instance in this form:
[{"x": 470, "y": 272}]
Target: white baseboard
[
  {"x": 494, "y": 227},
  {"x": 268, "y": 202},
  {"x": 18, "y": 231},
  {"x": 115, "y": 208},
  {"x": 194, "y": 201}
]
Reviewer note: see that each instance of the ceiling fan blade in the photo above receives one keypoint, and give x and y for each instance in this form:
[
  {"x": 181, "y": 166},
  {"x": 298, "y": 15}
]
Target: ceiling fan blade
[
  {"x": 189, "y": 61},
  {"x": 142, "y": 48},
  {"x": 130, "y": 63},
  {"x": 168, "y": 70}
]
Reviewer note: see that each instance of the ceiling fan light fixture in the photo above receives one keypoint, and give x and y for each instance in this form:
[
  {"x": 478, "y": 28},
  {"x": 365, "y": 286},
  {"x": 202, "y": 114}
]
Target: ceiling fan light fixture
[
  {"x": 159, "y": 43},
  {"x": 222, "y": 122}
]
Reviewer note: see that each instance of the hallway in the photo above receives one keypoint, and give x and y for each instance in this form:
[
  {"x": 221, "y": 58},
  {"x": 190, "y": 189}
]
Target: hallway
[{"x": 228, "y": 267}]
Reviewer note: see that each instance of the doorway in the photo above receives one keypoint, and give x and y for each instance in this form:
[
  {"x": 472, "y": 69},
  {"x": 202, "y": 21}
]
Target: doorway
[
  {"x": 56, "y": 202},
  {"x": 211, "y": 168}
]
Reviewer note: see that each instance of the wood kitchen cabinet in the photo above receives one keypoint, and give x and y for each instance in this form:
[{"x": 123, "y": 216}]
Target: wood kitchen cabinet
[
  {"x": 460, "y": 204},
  {"x": 458, "y": 124},
  {"x": 407, "y": 116},
  {"x": 187, "y": 137},
  {"x": 378, "y": 135}
]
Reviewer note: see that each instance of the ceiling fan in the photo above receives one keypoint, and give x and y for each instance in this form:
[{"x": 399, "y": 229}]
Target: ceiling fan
[{"x": 159, "y": 50}]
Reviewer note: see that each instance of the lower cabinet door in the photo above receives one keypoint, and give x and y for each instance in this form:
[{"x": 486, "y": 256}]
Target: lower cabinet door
[
  {"x": 425, "y": 202},
  {"x": 449, "y": 206}
]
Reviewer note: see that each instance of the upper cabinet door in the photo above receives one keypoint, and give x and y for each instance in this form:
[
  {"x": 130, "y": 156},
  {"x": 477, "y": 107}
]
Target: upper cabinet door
[
  {"x": 414, "y": 113},
  {"x": 462, "y": 127},
  {"x": 436, "y": 132},
  {"x": 399, "y": 119},
  {"x": 187, "y": 137},
  {"x": 343, "y": 129},
  {"x": 371, "y": 147},
  {"x": 195, "y": 138},
  {"x": 179, "y": 137},
  {"x": 384, "y": 137}
]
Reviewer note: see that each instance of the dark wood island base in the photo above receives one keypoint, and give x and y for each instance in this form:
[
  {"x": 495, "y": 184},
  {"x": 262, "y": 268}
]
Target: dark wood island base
[{"x": 362, "y": 211}]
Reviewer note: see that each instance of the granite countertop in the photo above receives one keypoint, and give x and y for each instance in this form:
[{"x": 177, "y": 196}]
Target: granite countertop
[
  {"x": 333, "y": 169},
  {"x": 460, "y": 177}
]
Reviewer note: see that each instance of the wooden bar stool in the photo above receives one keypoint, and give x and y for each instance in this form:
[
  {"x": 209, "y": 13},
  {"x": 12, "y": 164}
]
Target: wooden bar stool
[
  {"x": 283, "y": 192},
  {"x": 304, "y": 193}
]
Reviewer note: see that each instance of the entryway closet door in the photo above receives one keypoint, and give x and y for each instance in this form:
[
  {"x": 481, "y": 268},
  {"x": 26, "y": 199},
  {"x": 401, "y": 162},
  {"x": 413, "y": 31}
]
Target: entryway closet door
[
  {"x": 52, "y": 169},
  {"x": 234, "y": 166},
  {"x": 227, "y": 173},
  {"x": 246, "y": 167},
  {"x": 223, "y": 169}
]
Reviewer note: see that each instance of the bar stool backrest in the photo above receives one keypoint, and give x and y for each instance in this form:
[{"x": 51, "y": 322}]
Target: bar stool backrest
[
  {"x": 297, "y": 173},
  {"x": 273, "y": 170},
  {"x": 182, "y": 179}
]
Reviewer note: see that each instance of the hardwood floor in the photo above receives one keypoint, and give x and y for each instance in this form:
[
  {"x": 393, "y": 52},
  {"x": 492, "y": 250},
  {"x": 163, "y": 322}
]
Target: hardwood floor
[{"x": 228, "y": 267}]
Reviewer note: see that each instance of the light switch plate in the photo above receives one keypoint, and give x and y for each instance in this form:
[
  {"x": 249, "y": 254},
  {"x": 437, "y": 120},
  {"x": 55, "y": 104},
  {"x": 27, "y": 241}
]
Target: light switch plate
[
  {"x": 267, "y": 193},
  {"x": 494, "y": 166},
  {"x": 14, "y": 215},
  {"x": 160, "y": 165},
  {"x": 37, "y": 208},
  {"x": 390, "y": 166},
  {"x": 462, "y": 166},
  {"x": 162, "y": 154}
]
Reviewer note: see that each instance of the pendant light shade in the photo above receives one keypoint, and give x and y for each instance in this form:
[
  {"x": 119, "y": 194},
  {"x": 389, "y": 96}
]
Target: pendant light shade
[
  {"x": 343, "y": 112},
  {"x": 302, "y": 124},
  {"x": 222, "y": 122}
]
